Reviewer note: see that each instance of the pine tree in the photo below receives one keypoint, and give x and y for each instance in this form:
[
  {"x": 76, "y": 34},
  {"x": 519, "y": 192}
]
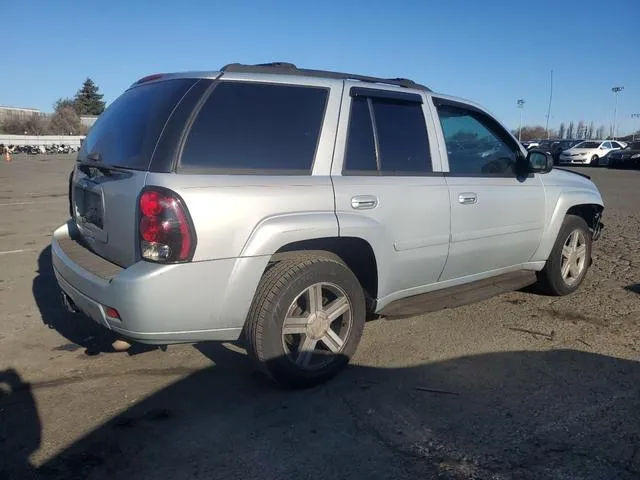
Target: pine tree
[{"x": 88, "y": 101}]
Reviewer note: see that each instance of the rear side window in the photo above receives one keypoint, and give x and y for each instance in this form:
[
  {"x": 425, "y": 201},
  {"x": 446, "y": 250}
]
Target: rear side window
[
  {"x": 361, "y": 146},
  {"x": 249, "y": 127},
  {"x": 402, "y": 146},
  {"x": 126, "y": 134}
]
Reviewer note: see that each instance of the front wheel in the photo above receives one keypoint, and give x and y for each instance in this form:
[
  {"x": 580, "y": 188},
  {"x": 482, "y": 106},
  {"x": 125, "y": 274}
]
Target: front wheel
[
  {"x": 570, "y": 257},
  {"x": 595, "y": 161},
  {"x": 306, "y": 319}
]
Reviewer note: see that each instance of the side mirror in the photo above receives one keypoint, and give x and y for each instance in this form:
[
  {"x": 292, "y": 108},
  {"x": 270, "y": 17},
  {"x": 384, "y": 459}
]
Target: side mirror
[{"x": 539, "y": 161}]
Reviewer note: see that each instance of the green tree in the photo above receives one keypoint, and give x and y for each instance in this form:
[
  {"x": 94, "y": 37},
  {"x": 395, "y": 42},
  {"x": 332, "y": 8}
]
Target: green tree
[{"x": 88, "y": 101}]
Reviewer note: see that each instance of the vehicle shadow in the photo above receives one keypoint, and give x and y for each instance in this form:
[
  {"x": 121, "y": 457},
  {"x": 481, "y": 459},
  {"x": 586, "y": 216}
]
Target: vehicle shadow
[
  {"x": 635, "y": 288},
  {"x": 80, "y": 331},
  {"x": 533, "y": 415},
  {"x": 20, "y": 427}
]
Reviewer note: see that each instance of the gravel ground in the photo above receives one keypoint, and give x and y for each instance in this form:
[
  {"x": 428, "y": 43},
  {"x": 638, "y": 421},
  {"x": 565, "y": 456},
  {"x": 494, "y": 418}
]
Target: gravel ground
[{"x": 518, "y": 386}]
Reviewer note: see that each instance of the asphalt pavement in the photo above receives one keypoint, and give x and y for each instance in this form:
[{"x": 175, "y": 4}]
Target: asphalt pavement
[{"x": 517, "y": 386}]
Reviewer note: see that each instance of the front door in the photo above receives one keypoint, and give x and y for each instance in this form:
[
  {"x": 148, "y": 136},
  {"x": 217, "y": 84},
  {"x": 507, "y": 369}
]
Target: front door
[{"x": 497, "y": 216}]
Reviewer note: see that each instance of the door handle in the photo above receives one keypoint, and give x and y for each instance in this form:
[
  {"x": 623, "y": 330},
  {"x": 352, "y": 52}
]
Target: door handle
[
  {"x": 364, "y": 202},
  {"x": 467, "y": 198}
]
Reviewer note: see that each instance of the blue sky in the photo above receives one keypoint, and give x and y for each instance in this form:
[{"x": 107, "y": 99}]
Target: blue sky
[{"x": 493, "y": 52}]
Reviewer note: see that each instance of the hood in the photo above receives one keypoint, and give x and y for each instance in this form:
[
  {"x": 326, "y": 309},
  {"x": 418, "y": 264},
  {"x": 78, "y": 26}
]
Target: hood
[
  {"x": 568, "y": 179},
  {"x": 626, "y": 153},
  {"x": 580, "y": 150}
]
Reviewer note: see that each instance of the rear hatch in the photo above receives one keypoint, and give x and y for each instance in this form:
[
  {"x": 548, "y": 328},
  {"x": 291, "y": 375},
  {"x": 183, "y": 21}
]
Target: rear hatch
[{"x": 112, "y": 167}]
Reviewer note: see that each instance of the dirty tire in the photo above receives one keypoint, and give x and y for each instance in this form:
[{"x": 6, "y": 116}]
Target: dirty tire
[
  {"x": 284, "y": 280},
  {"x": 550, "y": 279}
]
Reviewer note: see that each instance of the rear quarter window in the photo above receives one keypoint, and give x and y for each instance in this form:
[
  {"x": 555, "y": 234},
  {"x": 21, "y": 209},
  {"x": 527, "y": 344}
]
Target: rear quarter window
[
  {"x": 248, "y": 127},
  {"x": 126, "y": 134}
]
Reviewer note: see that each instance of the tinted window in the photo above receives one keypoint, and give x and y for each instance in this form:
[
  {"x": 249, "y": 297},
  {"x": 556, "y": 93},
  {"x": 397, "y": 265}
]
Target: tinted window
[
  {"x": 615, "y": 145},
  {"x": 254, "y": 126},
  {"x": 475, "y": 144},
  {"x": 127, "y": 132},
  {"x": 588, "y": 145},
  {"x": 402, "y": 136},
  {"x": 606, "y": 144},
  {"x": 361, "y": 148}
]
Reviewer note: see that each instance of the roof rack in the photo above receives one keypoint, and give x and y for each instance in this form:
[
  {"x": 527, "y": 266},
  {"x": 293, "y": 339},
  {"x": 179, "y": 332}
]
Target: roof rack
[{"x": 283, "y": 68}]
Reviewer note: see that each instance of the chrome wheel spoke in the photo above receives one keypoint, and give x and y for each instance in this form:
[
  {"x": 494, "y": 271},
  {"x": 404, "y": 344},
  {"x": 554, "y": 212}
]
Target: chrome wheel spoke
[
  {"x": 574, "y": 269},
  {"x": 336, "y": 308},
  {"x": 305, "y": 351},
  {"x": 574, "y": 240},
  {"x": 581, "y": 251},
  {"x": 565, "y": 269},
  {"x": 314, "y": 295},
  {"x": 566, "y": 252},
  {"x": 332, "y": 341},
  {"x": 295, "y": 325}
]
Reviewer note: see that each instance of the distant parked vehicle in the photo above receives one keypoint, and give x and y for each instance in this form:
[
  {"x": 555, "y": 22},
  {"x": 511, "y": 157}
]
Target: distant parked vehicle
[
  {"x": 628, "y": 157},
  {"x": 589, "y": 152},
  {"x": 530, "y": 144},
  {"x": 556, "y": 146}
]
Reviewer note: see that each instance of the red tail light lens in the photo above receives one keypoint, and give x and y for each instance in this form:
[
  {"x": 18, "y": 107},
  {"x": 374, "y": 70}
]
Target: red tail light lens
[{"x": 166, "y": 230}]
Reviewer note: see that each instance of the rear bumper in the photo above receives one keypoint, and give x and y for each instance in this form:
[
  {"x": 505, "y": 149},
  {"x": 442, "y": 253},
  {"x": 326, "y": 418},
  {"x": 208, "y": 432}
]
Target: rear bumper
[{"x": 159, "y": 304}]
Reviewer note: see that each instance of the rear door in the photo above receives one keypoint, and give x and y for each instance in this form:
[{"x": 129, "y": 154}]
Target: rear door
[
  {"x": 388, "y": 186},
  {"x": 113, "y": 163},
  {"x": 497, "y": 216}
]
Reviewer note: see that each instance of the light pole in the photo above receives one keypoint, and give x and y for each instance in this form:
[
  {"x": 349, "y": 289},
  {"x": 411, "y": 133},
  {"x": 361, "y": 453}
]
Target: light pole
[
  {"x": 615, "y": 90},
  {"x": 634, "y": 115},
  {"x": 521, "y": 107}
]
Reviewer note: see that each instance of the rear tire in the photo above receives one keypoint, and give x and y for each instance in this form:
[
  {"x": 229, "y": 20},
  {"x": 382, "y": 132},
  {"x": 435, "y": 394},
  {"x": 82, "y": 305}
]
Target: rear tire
[
  {"x": 306, "y": 319},
  {"x": 569, "y": 260}
]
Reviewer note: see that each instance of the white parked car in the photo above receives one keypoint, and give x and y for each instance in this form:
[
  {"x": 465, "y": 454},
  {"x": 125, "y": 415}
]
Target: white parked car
[{"x": 589, "y": 152}]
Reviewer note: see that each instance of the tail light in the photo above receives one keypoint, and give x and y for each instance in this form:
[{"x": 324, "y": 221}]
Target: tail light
[{"x": 166, "y": 230}]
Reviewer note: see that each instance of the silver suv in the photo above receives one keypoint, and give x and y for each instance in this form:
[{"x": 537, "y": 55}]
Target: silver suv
[{"x": 286, "y": 206}]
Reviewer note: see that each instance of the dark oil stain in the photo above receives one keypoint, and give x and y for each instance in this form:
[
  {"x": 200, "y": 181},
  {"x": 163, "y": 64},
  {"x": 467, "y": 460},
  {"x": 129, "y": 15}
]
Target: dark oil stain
[
  {"x": 516, "y": 301},
  {"x": 166, "y": 372},
  {"x": 67, "y": 347},
  {"x": 32, "y": 242},
  {"x": 6, "y": 234}
]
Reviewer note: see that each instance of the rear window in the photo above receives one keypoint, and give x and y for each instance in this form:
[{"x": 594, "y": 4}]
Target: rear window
[
  {"x": 127, "y": 132},
  {"x": 255, "y": 127}
]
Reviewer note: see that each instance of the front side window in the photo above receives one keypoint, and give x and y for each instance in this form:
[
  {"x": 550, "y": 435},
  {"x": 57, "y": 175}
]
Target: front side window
[
  {"x": 402, "y": 146},
  {"x": 247, "y": 127},
  {"x": 475, "y": 144}
]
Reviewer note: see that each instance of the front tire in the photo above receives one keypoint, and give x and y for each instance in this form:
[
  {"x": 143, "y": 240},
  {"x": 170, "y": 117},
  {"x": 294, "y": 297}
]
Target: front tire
[
  {"x": 595, "y": 161},
  {"x": 306, "y": 319},
  {"x": 569, "y": 260}
]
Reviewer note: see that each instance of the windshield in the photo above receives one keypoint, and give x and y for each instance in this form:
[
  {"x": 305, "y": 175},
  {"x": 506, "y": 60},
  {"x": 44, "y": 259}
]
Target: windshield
[
  {"x": 127, "y": 132},
  {"x": 588, "y": 145}
]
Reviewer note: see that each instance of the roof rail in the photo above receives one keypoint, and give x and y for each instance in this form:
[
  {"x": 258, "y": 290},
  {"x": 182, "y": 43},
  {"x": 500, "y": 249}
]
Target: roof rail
[{"x": 283, "y": 68}]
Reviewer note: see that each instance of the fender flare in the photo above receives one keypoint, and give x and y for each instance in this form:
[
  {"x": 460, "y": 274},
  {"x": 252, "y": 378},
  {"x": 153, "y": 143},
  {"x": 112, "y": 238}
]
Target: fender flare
[{"x": 565, "y": 201}]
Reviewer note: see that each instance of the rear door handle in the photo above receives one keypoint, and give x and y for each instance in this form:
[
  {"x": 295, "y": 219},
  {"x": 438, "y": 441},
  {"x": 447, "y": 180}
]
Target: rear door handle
[
  {"x": 364, "y": 202},
  {"x": 467, "y": 198}
]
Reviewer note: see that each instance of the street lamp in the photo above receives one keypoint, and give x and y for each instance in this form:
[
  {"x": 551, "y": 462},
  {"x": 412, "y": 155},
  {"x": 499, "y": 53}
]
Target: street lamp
[
  {"x": 634, "y": 115},
  {"x": 521, "y": 107},
  {"x": 615, "y": 90}
]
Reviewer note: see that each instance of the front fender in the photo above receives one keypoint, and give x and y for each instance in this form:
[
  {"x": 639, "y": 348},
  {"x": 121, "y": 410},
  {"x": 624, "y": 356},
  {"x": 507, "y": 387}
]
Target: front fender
[{"x": 563, "y": 202}]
